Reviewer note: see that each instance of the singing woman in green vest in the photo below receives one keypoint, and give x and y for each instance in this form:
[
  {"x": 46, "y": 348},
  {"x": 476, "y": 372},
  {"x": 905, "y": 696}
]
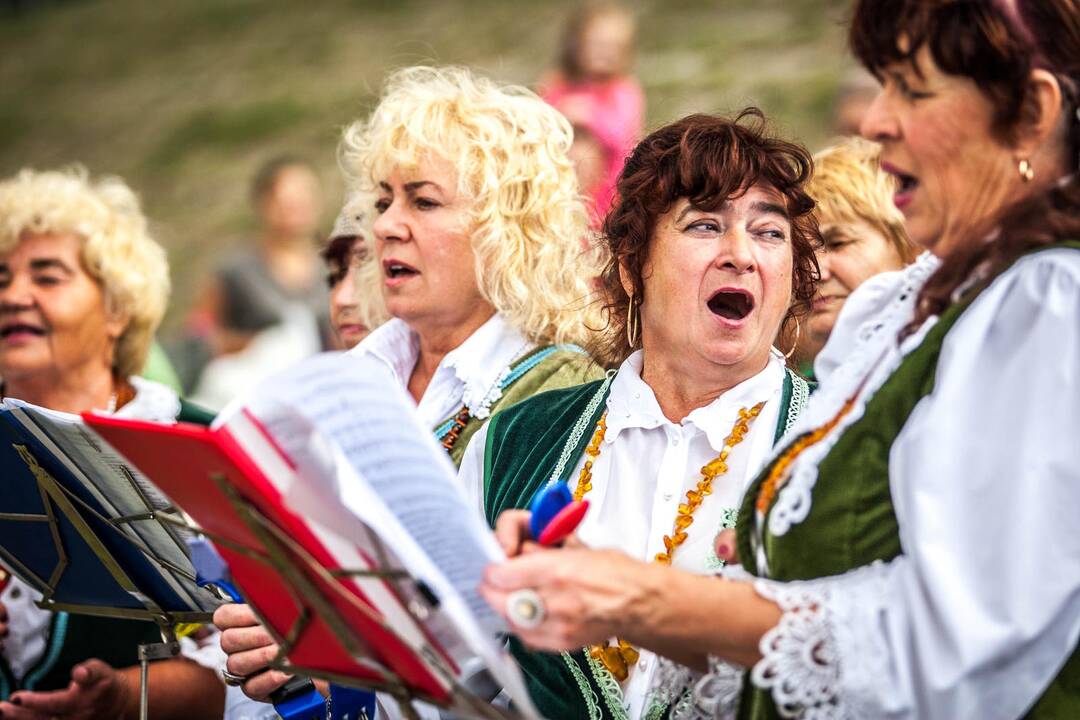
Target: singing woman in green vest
[
  {"x": 478, "y": 247},
  {"x": 915, "y": 540},
  {"x": 712, "y": 243}
]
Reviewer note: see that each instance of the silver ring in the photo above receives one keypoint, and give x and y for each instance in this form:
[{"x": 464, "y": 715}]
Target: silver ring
[
  {"x": 233, "y": 680},
  {"x": 525, "y": 608}
]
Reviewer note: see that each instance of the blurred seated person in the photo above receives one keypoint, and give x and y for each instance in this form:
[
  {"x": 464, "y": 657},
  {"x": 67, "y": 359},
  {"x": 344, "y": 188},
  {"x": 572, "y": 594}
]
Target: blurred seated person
[
  {"x": 276, "y": 282},
  {"x": 83, "y": 287},
  {"x": 857, "y": 90},
  {"x": 863, "y": 232},
  {"x": 594, "y": 87}
]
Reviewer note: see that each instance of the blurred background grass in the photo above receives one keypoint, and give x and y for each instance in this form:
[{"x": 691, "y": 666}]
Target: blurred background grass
[{"x": 185, "y": 98}]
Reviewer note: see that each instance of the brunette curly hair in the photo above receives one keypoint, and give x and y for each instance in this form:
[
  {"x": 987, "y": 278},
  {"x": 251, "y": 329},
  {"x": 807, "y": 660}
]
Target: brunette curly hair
[
  {"x": 996, "y": 44},
  {"x": 707, "y": 159}
]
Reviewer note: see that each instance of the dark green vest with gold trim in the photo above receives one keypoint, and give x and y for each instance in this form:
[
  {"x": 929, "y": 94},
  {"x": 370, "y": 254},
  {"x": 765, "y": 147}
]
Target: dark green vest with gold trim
[
  {"x": 524, "y": 445},
  {"x": 852, "y": 523}
]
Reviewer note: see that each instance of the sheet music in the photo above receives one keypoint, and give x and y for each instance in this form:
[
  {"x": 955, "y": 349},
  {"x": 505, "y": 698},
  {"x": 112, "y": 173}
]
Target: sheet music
[
  {"x": 356, "y": 404},
  {"x": 109, "y": 479},
  {"x": 398, "y": 481}
]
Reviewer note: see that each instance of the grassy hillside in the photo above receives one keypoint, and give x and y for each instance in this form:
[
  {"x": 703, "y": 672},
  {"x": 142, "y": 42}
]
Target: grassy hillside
[{"x": 184, "y": 98}]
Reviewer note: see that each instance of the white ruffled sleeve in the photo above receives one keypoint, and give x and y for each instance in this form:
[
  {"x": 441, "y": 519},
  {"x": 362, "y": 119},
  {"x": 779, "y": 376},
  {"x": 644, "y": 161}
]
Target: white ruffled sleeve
[{"x": 982, "y": 609}]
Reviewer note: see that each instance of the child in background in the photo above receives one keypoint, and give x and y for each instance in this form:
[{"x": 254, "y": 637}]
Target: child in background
[{"x": 594, "y": 88}]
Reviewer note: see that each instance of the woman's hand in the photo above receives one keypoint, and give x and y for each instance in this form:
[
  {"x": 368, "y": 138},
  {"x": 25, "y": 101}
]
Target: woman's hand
[
  {"x": 96, "y": 691},
  {"x": 588, "y": 595},
  {"x": 250, "y": 649}
]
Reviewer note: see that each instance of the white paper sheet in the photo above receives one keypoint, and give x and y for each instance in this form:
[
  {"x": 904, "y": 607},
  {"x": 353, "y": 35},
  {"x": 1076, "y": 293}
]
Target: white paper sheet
[{"x": 396, "y": 479}]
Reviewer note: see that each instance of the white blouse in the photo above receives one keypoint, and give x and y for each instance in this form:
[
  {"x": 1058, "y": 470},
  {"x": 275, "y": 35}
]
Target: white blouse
[
  {"x": 982, "y": 609},
  {"x": 469, "y": 374},
  {"x": 646, "y": 465}
]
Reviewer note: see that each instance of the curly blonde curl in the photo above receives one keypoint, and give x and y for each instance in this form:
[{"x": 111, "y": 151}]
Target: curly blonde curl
[
  {"x": 509, "y": 149},
  {"x": 117, "y": 250}
]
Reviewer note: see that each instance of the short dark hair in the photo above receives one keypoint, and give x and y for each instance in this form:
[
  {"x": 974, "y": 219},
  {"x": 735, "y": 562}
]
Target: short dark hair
[
  {"x": 267, "y": 174},
  {"x": 996, "y": 44},
  {"x": 337, "y": 254},
  {"x": 707, "y": 159}
]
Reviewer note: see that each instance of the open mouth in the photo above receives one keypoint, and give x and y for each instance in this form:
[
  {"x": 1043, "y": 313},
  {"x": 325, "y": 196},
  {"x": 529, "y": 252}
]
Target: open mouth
[
  {"x": 731, "y": 304},
  {"x": 906, "y": 183},
  {"x": 11, "y": 329},
  {"x": 394, "y": 269}
]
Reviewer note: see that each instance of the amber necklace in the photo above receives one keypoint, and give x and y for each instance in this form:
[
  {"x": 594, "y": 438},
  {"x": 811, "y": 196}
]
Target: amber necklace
[{"x": 618, "y": 658}]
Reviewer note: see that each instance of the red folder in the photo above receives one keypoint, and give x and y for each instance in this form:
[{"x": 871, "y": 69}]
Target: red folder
[{"x": 304, "y": 586}]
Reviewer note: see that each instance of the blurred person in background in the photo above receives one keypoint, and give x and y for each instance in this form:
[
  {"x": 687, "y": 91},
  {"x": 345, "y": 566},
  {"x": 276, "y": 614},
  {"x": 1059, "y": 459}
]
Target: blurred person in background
[
  {"x": 267, "y": 307},
  {"x": 83, "y": 287},
  {"x": 351, "y": 305},
  {"x": 594, "y": 87},
  {"x": 476, "y": 248},
  {"x": 856, "y": 91},
  {"x": 863, "y": 233}
]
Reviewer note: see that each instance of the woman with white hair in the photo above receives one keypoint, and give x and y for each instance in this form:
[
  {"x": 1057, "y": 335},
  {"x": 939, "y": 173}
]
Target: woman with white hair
[
  {"x": 477, "y": 249},
  {"x": 83, "y": 287}
]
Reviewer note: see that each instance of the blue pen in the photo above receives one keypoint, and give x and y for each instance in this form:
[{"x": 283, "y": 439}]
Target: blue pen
[{"x": 555, "y": 514}]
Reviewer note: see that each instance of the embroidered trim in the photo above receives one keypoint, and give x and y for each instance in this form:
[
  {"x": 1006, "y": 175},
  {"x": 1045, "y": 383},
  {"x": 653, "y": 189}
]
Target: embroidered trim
[
  {"x": 712, "y": 696},
  {"x": 507, "y": 377},
  {"x": 875, "y": 338},
  {"x": 820, "y": 661},
  {"x": 609, "y": 686},
  {"x": 591, "y": 701},
  {"x": 580, "y": 427},
  {"x": 800, "y": 395}
]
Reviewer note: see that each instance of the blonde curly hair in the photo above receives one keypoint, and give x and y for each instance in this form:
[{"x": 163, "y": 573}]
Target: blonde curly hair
[
  {"x": 509, "y": 148},
  {"x": 117, "y": 250},
  {"x": 849, "y": 185}
]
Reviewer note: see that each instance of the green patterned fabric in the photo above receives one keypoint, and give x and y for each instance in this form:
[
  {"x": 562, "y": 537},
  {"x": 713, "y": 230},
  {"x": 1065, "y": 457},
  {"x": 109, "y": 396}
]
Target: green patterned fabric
[
  {"x": 560, "y": 369},
  {"x": 524, "y": 448},
  {"x": 852, "y": 522}
]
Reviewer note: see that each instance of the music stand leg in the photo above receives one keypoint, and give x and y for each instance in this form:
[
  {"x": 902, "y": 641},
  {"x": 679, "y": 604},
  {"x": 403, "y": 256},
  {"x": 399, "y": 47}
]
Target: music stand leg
[{"x": 152, "y": 651}]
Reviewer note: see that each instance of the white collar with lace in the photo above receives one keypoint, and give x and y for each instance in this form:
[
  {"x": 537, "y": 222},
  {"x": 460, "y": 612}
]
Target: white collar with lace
[
  {"x": 478, "y": 364},
  {"x": 632, "y": 403},
  {"x": 873, "y": 357}
]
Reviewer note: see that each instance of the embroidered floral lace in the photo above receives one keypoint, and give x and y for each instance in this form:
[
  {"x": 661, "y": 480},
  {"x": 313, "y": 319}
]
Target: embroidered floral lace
[{"x": 816, "y": 662}]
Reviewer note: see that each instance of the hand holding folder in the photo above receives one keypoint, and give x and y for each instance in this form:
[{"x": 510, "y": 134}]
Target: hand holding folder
[{"x": 344, "y": 528}]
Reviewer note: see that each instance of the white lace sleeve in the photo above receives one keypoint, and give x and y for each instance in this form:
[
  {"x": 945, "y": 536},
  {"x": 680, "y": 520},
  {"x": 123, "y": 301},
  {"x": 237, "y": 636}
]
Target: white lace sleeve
[
  {"x": 978, "y": 615},
  {"x": 696, "y": 696},
  {"x": 818, "y": 662}
]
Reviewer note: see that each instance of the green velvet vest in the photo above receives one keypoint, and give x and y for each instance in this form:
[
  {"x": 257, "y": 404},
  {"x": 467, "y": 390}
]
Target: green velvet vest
[
  {"x": 852, "y": 523},
  {"x": 548, "y": 368},
  {"x": 524, "y": 447}
]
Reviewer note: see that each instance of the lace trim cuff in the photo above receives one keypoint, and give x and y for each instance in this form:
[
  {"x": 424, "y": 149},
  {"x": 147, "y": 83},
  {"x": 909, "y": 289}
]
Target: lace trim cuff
[
  {"x": 825, "y": 658},
  {"x": 694, "y": 696}
]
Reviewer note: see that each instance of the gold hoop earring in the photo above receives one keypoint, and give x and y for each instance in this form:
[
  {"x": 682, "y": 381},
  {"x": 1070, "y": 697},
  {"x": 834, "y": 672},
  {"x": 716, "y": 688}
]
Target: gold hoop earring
[
  {"x": 795, "y": 342},
  {"x": 1027, "y": 173},
  {"x": 633, "y": 325}
]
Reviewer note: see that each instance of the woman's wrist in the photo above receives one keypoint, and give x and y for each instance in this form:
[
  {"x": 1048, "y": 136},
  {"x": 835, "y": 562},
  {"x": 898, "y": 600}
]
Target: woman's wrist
[{"x": 683, "y": 615}]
